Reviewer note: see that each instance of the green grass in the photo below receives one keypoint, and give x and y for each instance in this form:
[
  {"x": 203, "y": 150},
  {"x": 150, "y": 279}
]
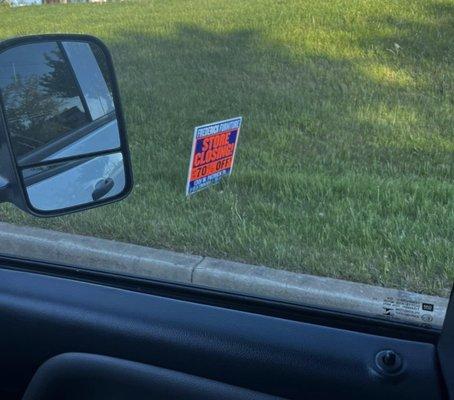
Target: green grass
[{"x": 345, "y": 166}]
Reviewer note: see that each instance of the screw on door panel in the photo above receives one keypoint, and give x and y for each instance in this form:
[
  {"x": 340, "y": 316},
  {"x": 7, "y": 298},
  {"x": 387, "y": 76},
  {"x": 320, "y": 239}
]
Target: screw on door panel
[{"x": 388, "y": 362}]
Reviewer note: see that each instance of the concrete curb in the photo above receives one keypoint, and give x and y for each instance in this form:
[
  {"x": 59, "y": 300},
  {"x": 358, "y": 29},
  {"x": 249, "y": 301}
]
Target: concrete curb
[
  {"x": 117, "y": 257},
  {"x": 96, "y": 253}
]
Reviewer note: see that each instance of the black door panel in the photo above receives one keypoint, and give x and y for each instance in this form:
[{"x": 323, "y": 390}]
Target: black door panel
[{"x": 43, "y": 316}]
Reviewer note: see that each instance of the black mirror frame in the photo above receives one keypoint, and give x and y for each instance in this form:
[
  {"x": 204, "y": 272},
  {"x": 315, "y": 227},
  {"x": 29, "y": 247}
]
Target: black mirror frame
[{"x": 12, "y": 187}]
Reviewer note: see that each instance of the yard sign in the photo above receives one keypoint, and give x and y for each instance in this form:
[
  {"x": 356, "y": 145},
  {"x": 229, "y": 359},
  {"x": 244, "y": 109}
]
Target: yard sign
[{"x": 213, "y": 153}]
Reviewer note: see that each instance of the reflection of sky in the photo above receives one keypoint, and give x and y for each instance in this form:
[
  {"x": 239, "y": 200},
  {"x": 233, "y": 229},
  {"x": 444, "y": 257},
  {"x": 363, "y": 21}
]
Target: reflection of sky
[
  {"x": 90, "y": 78},
  {"x": 32, "y": 62}
]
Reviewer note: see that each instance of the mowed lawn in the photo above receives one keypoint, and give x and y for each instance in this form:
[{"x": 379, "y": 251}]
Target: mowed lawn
[{"x": 345, "y": 166}]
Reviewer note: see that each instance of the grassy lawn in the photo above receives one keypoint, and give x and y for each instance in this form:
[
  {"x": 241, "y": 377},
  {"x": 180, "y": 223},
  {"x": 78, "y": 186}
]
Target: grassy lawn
[{"x": 345, "y": 166}]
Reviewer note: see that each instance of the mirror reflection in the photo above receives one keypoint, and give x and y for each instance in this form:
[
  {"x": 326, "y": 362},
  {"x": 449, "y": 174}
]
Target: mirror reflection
[
  {"x": 58, "y": 101},
  {"x": 74, "y": 183}
]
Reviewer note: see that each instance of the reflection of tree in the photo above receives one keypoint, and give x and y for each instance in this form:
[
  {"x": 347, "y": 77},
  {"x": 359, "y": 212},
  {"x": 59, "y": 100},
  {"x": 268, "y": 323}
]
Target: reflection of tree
[
  {"x": 42, "y": 106},
  {"x": 59, "y": 82},
  {"x": 28, "y": 108}
]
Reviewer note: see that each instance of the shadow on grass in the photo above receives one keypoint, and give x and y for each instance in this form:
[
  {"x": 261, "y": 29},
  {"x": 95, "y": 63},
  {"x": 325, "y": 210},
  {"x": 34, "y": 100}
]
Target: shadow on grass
[{"x": 311, "y": 112}]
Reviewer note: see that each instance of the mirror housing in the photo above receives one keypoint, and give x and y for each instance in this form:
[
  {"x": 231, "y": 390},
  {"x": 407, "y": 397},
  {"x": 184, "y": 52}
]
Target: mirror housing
[{"x": 63, "y": 144}]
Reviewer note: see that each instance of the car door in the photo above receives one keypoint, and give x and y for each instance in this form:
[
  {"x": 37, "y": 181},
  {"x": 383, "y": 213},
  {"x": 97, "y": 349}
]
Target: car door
[{"x": 78, "y": 333}]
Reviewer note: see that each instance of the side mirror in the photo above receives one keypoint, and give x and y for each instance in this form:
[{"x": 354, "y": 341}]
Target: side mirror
[{"x": 63, "y": 141}]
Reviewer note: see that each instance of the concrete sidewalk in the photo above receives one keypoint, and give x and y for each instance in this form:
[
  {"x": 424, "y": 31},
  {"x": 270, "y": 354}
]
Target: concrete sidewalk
[{"x": 146, "y": 262}]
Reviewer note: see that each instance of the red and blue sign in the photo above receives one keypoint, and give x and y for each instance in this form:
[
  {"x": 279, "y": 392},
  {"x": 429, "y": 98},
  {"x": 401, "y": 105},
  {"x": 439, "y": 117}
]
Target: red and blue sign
[{"x": 213, "y": 153}]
